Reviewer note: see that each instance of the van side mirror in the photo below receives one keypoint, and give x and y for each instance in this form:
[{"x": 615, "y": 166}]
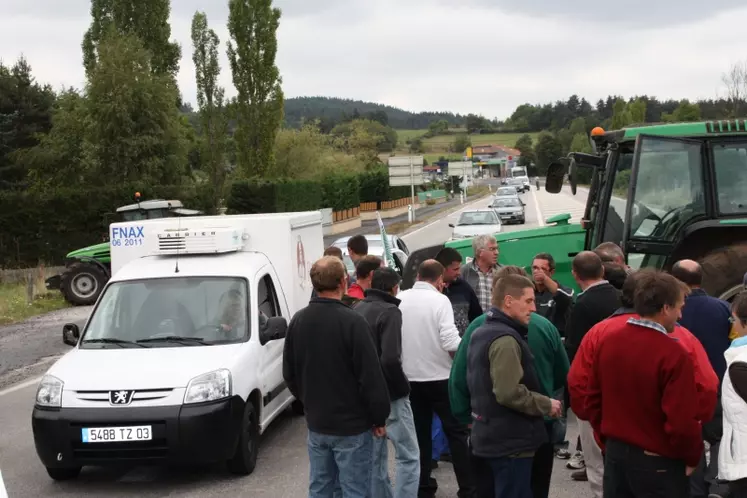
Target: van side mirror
[
  {"x": 272, "y": 329},
  {"x": 70, "y": 334}
]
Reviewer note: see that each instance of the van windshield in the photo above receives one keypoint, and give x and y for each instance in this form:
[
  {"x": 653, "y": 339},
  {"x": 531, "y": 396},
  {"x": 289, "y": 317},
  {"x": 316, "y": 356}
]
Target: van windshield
[{"x": 170, "y": 312}]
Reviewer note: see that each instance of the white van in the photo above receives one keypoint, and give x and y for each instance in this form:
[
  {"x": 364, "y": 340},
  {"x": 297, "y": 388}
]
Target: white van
[{"x": 181, "y": 360}]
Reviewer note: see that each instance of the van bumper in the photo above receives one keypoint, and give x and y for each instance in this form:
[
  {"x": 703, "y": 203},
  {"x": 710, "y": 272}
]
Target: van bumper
[{"x": 189, "y": 434}]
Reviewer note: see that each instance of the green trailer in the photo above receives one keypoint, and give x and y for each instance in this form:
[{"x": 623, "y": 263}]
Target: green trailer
[
  {"x": 87, "y": 270},
  {"x": 663, "y": 192}
]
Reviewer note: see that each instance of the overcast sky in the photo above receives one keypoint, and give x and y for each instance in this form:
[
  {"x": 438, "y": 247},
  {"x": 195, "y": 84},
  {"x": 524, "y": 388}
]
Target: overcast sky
[{"x": 481, "y": 56}]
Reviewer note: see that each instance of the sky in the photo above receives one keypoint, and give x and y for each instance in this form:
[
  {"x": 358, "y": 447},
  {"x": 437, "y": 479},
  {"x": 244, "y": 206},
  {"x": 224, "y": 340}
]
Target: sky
[{"x": 464, "y": 56}]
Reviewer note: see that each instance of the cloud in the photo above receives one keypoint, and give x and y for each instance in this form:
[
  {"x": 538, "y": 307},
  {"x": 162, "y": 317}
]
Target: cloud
[{"x": 465, "y": 56}]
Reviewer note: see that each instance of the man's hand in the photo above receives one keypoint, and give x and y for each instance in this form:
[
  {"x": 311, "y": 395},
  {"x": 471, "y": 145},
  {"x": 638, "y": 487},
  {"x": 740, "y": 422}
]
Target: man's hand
[
  {"x": 689, "y": 471},
  {"x": 379, "y": 431},
  {"x": 557, "y": 408}
]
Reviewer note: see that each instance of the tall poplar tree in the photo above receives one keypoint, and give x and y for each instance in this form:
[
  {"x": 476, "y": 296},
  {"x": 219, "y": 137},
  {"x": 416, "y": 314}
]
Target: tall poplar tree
[
  {"x": 253, "y": 27},
  {"x": 146, "y": 19},
  {"x": 210, "y": 99}
]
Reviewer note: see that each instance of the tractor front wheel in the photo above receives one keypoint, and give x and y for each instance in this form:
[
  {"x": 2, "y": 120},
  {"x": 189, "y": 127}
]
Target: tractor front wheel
[{"x": 81, "y": 283}]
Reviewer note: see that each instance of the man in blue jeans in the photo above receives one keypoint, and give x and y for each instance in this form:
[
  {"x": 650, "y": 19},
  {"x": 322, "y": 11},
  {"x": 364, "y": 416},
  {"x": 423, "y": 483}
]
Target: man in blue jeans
[
  {"x": 331, "y": 365},
  {"x": 381, "y": 310}
]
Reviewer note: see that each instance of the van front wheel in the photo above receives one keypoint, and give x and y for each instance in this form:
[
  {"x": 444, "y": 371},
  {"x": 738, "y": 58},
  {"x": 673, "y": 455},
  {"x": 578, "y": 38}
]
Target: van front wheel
[{"x": 245, "y": 458}]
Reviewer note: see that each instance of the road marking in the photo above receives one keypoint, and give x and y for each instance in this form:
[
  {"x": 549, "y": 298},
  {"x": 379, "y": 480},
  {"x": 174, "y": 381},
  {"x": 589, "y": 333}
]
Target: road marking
[
  {"x": 18, "y": 387},
  {"x": 540, "y": 220},
  {"x": 3, "y": 491}
]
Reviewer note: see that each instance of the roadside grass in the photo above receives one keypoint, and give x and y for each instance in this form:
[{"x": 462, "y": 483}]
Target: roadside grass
[
  {"x": 14, "y": 306},
  {"x": 404, "y": 135}
]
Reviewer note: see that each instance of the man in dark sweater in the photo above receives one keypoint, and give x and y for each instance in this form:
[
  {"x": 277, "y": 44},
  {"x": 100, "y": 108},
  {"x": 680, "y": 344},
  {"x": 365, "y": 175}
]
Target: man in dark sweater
[
  {"x": 331, "y": 365},
  {"x": 380, "y": 309},
  {"x": 462, "y": 296},
  {"x": 708, "y": 319},
  {"x": 597, "y": 301},
  {"x": 505, "y": 391},
  {"x": 641, "y": 395},
  {"x": 554, "y": 300}
]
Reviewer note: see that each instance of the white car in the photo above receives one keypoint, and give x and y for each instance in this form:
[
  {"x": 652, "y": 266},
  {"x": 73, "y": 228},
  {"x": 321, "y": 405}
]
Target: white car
[
  {"x": 476, "y": 222},
  {"x": 507, "y": 192},
  {"x": 376, "y": 248}
]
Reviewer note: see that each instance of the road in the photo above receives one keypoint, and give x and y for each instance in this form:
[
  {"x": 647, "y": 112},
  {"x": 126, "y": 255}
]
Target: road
[{"x": 282, "y": 469}]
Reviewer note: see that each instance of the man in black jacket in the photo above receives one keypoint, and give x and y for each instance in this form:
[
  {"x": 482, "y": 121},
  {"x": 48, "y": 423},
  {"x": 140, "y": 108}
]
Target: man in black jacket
[
  {"x": 381, "y": 311},
  {"x": 554, "y": 299},
  {"x": 330, "y": 364},
  {"x": 463, "y": 299},
  {"x": 598, "y": 300}
]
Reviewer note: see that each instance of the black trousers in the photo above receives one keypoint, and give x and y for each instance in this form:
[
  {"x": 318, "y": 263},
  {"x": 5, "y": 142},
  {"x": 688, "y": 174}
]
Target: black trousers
[
  {"x": 631, "y": 473},
  {"x": 427, "y": 398},
  {"x": 542, "y": 464},
  {"x": 738, "y": 489}
]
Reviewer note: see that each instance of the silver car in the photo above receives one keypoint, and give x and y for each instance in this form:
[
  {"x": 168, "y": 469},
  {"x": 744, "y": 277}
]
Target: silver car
[
  {"x": 507, "y": 192},
  {"x": 476, "y": 222},
  {"x": 400, "y": 251},
  {"x": 509, "y": 209}
]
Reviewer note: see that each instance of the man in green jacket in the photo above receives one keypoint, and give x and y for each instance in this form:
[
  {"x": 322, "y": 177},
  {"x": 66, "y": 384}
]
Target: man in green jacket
[{"x": 551, "y": 363}]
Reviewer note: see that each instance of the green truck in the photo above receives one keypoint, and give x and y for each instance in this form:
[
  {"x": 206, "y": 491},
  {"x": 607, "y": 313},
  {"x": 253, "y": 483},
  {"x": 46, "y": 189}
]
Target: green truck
[
  {"x": 87, "y": 270},
  {"x": 663, "y": 192}
]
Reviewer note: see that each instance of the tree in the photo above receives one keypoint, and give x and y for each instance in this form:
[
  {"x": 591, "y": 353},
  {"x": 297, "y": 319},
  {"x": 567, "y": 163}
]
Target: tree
[
  {"x": 25, "y": 116},
  {"x": 620, "y": 116},
  {"x": 438, "y": 127},
  {"x": 526, "y": 147},
  {"x": 146, "y": 19},
  {"x": 461, "y": 142},
  {"x": 637, "y": 111},
  {"x": 684, "y": 112},
  {"x": 213, "y": 118},
  {"x": 133, "y": 130},
  {"x": 253, "y": 27},
  {"x": 547, "y": 150},
  {"x": 735, "y": 81}
]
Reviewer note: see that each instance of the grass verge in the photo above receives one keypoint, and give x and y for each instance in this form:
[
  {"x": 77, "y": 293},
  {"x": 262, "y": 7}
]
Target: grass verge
[{"x": 14, "y": 306}]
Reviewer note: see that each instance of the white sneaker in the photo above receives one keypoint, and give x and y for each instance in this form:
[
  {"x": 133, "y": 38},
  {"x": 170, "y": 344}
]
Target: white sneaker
[{"x": 577, "y": 461}]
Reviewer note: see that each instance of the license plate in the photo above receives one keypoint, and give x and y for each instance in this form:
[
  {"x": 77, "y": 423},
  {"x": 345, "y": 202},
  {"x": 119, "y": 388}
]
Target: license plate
[{"x": 116, "y": 434}]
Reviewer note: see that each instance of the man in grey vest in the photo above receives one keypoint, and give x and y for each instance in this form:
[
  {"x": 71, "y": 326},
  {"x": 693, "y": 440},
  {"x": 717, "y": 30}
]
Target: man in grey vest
[{"x": 507, "y": 407}]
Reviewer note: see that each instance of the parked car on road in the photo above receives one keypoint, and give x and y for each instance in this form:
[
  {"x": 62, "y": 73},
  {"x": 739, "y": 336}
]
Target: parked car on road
[
  {"x": 476, "y": 222},
  {"x": 507, "y": 192},
  {"x": 509, "y": 209},
  {"x": 376, "y": 248}
]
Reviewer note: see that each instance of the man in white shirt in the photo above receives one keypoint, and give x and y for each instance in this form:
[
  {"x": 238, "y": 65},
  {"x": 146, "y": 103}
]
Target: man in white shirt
[{"x": 429, "y": 340}]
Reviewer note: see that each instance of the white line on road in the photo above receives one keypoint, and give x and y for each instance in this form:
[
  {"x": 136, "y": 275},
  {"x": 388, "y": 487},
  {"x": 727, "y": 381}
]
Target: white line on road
[
  {"x": 466, "y": 206},
  {"x": 3, "y": 491},
  {"x": 18, "y": 387},
  {"x": 540, "y": 220}
]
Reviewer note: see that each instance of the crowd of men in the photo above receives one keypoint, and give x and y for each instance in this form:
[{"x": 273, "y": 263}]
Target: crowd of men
[{"x": 652, "y": 367}]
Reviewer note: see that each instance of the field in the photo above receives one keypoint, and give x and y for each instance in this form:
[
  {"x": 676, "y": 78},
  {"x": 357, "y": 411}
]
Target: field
[
  {"x": 14, "y": 305},
  {"x": 438, "y": 146}
]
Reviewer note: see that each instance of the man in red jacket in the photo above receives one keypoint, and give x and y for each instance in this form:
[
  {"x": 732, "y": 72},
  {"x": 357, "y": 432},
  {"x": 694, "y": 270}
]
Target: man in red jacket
[{"x": 641, "y": 395}]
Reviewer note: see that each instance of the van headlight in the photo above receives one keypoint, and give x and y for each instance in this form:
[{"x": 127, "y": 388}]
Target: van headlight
[
  {"x": 49, "y": 392},
  {"x": 211, "y": 386}
]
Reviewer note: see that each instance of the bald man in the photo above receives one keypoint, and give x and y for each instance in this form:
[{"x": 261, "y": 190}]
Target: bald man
[{"x": 708, "y": 319}]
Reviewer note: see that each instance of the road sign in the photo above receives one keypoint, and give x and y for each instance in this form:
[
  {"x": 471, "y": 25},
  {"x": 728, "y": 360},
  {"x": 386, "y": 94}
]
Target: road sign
[
  {"x": 460, "y": 168},
  {"x": 406, "y": 160},
  {"x": 406, "y": 170}
]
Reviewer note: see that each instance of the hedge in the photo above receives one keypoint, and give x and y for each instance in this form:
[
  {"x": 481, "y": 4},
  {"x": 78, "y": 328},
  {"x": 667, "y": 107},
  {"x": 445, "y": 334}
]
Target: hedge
[
  {"x": 43, "y": 227},
  {"x": 340, "y": 191},
  {"x": 249, "y": 197},
  {"x": 374, "y": 187}
]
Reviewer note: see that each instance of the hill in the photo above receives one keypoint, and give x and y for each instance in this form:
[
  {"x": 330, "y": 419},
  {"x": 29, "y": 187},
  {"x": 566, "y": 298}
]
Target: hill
[{"x": 334, "y": 110}]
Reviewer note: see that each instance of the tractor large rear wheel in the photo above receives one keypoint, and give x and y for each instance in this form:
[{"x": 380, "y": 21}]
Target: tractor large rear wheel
[
  {"x": 81, "y": 283},
  {"x": 723, "y": 271}
]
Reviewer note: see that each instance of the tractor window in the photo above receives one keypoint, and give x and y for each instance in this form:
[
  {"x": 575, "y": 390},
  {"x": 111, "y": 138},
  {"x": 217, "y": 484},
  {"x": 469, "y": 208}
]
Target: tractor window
[
  {"x": 669, "y": 188},
  {"x": 614, "y": 225},
  {"x": 730, "y": 163}
]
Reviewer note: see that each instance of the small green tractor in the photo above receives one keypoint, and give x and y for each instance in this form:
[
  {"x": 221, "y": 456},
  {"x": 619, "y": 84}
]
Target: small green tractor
[
  {"x": 662, "y": 192},
  {"x": 87, "y": 270}
]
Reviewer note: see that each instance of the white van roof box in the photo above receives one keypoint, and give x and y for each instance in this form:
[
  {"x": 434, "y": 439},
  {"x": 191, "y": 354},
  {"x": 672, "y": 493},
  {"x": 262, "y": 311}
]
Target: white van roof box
[{"x": 199, "y": 240}]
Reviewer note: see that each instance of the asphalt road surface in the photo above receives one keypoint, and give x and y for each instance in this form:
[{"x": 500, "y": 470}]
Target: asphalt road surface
[{"x": 282, "y": 469}]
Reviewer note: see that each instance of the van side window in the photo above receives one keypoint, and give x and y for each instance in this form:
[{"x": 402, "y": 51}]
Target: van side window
[{"x": 267, "y": 298}]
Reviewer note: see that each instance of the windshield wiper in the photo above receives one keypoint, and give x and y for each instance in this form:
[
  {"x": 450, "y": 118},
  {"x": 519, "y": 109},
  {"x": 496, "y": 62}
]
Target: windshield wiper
[
  {"x": 175, "y": 338},
  {"x": 110, "y": 340}
]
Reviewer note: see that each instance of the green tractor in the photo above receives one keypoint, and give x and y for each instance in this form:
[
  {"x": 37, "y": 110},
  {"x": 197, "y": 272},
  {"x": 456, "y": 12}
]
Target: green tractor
[
  {"x": 87, "y": 270},
  {"x": 662, "y": 192}
]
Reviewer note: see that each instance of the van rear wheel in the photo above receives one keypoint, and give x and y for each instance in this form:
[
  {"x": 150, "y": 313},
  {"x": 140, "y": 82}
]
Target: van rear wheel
[{"x": 245, "y": 459}]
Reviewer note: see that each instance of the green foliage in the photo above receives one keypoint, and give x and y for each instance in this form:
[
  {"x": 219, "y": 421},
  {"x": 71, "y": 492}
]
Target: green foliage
[
  {"x": 148, "y": 20},
  {"x": 45, "y": 226},
  {"x": 622, "y": 181},
  {"x": 340, "y": 191},
  {"x": 25, "y": 116},
  {"x": 461, "y": 142},
  {"x": 261, "y": 196},
  {"x": 213, "y": 113},
  {"x": 684, "y": 112},
  {"x": 374, "y": 187},
  {"x": 547, "y": 150},
  {"x": 525, "y": 145},
  {"x": 622, "y": 116},
  {"x": 364, "y": 135},
  {"x": 307, "y": 153},
  {"x": 133, "y": 130},
  {"x": 638, "y": 111},
  {"x": 259, "y": 104}
]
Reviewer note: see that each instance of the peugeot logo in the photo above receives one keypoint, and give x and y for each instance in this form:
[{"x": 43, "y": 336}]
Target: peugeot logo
[{"x": 120, "y": 398}]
